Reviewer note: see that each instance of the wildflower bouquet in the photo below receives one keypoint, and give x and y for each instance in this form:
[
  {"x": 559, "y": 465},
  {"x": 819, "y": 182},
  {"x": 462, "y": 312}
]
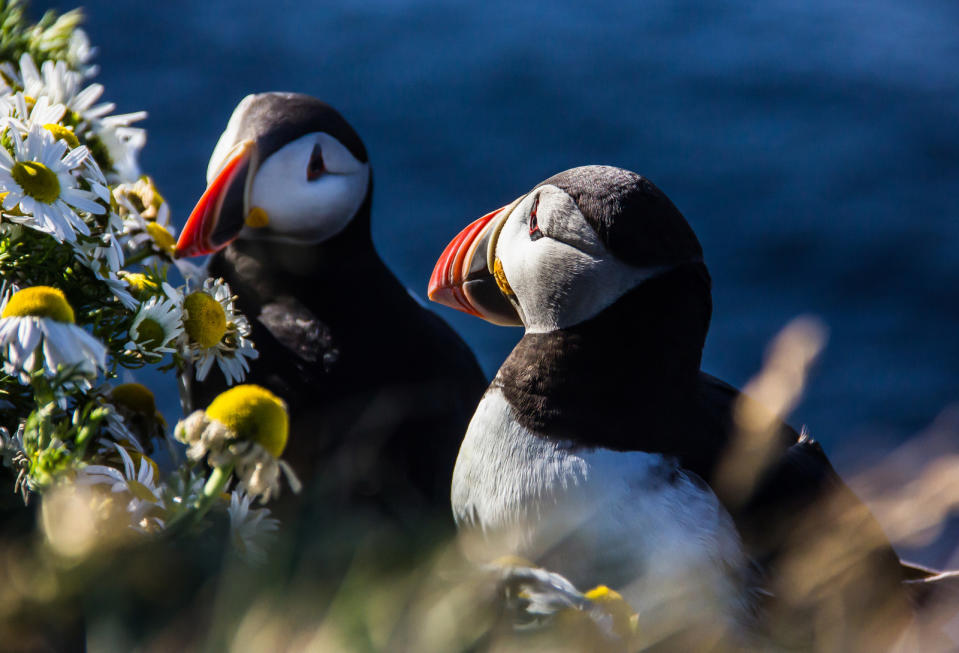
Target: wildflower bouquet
[{"x": 90, "y": 293}]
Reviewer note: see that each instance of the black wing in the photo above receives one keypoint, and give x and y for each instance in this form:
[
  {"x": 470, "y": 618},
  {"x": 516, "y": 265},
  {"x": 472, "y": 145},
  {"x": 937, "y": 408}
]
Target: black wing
[{"x": 822, "y": 558}]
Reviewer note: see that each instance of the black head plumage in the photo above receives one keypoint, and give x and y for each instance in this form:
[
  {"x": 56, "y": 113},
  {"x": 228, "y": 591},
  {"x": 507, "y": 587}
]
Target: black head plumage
[
  {"x": 634, "y": 219},
  {"x": 276, "y": 119}
]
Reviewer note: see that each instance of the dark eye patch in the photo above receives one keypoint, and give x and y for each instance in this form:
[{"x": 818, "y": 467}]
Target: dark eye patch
[
  {"x": 534, "y": 232},
  {"x": 316, "y": 167}
]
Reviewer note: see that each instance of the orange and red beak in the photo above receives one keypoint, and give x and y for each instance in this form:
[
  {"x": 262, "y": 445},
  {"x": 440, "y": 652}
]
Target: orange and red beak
[
  {"x": 219, "y": 216},
  {"x": 464, "y": 277}
]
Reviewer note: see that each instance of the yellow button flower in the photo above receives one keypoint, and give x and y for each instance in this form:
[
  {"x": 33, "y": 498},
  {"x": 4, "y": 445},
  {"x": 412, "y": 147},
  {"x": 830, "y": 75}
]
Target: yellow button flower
[
  {"x": 40, "y": 301},
  {"x": 204, "y": 319},
  {"x": 253, "y": 413}
]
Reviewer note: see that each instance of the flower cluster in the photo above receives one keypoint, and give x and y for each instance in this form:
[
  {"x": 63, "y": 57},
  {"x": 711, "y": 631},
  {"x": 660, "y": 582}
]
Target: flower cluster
[{"x": 90, "y": 290}]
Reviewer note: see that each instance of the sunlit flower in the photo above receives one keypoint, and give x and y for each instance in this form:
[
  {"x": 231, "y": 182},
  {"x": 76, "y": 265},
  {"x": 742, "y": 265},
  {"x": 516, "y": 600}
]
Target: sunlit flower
[
  {"x": 123, "y": 143},
  {"x": 217, "y": 332},
  {"x": 103, "y": 251},
  {"x": 40, "y": 112},
  {"x": 39, "y": 183},
  {"x": 155, "y": 326},
  {"x": 55, "y": 80},
  {"x": 245, "y": 427},
  {"x": 141, "y": 286},
  {"x": 119, "y": 433},
  {"x": 37, "y": 329},
  {"x": 250, "y": 529},
  {"x": 65, "y": 86},
  {"x": 80, "y": 53},
  {"x": 140, "y": 482},
  {"x": 104, "y": 256},
  {"x": 598, "y": 620},
  {"x": 144, "y": 200},
  {"x": 146, "y": 217}
]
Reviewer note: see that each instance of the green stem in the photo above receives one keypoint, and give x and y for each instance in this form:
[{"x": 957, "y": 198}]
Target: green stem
[
  {"x": 212, "y": 490},
  {"x": 136, "y": 257}
]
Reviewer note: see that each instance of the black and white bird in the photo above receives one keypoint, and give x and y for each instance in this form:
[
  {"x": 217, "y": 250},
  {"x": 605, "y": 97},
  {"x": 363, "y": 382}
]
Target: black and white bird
[
  {"x": 379, "y": 388},
  {"x": 596, "y": 449}
]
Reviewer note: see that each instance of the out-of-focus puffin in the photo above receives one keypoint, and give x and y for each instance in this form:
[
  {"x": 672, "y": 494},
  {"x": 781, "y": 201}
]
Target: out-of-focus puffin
[
  {"x": 379, "y": 388},
  {"x": 595, "y": 450}
]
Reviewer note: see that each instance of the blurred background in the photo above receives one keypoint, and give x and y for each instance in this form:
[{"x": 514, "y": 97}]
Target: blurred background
[{"x": 813, "y": 146}]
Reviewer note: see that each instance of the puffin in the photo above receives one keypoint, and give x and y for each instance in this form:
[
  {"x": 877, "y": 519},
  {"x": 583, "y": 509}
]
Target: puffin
[
  {"x": 379, "y": 389},
  {"x": 597, "y": 448}
]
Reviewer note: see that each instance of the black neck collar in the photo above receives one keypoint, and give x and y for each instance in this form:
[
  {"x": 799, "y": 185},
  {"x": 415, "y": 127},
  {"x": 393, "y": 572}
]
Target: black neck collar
[
  {"x": 627, "y": 379},
  {"x": 326, "y": 276}
]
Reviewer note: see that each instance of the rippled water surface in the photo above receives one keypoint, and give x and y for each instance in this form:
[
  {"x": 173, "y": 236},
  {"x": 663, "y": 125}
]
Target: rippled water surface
[{"x": 814, "y": 147}]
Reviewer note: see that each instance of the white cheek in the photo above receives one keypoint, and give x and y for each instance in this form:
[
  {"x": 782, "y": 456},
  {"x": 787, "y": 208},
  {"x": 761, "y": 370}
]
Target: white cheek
[
  {"x": 543, "y": 273},
  {"x": 302, "y": 210},
  {"x": 558, "y": 285}
]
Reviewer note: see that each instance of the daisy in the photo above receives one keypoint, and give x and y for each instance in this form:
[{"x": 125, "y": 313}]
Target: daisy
[
  {"x": 80, "y": 53},
  {"x": 37, "y": 329},
  {"x": 118, "y": 431},
  {"x": 141, "y": 483},
  {"x": 63, "y": 86},
  {"x": 215, "y": 331},
  {"x": 146, "y": 217},
  {"x": 250, "y": 528},
  {"x": 156, "y": 324},
  {"x": 100, "y": 187},
  {"x": 142, "y": 199},
  {"x": 123, "y": 143},
  {"x": 184, "y": 487},
  {"x": 39, "y": 183},
  {"x": 141, "y": 286},
  {"x": 132, "y": 420},
  {"x": 103, "y": 257},
  {"x": 104, "y": 253},
  {"x": 245, "y": 429},
  {"x": 41, "y": 112},
  {"x": 9, "y": 78},
  {"x": 15, "y": 457}
]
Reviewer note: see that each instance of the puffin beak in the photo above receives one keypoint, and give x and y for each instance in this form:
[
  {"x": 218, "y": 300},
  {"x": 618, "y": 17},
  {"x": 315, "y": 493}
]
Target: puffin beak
[
  {"x": 219, "y": 215},
  {"x": 467, "y": 277}
]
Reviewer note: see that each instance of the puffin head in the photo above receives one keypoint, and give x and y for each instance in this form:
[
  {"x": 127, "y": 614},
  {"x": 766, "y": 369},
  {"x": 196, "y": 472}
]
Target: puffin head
[
  {"x": 288, "y": 167},
  {"x": 564, "y": 251}
]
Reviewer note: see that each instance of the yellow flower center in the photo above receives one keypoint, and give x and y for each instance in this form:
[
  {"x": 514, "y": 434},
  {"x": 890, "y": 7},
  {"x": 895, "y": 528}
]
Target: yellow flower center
[
  {"x": 150, "y": 333},
  {"x": 624, "y": 617},
  {"x": 253, "y": 413},
  {"x": 40, "y": 301},
  {"x": 37, "y": 180},
  {"x": 163, "y": 239},
  {"x": 64, "y": 134},
  {"x": 140, "y": 285},
  {"x": 135, "y": 396},
  {"x": 205, "y": 320}
]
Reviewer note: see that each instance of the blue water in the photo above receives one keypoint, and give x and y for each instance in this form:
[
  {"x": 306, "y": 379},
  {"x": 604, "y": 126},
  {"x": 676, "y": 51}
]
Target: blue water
[{"x": 813, "y": 145}]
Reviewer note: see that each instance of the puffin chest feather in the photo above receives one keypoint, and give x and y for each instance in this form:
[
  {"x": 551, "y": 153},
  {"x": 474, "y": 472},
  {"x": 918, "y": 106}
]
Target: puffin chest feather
[{"x": 631, "y": 520}]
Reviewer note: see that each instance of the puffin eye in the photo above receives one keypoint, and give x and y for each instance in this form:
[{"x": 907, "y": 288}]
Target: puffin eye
[
  {"x": 534, "y": 232},
  {"x": 316, "y": 167}
]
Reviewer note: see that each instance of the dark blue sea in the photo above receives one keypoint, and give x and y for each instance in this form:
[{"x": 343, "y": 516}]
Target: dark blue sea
[{"x": 813, "y": 145}]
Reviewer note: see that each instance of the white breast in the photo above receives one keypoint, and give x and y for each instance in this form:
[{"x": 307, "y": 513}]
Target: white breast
[{"x": 629, "y": 520}]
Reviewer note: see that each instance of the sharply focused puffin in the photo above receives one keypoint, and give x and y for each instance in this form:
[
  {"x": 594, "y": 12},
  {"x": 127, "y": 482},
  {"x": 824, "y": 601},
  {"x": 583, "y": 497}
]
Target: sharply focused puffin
[
  {"x": 595, "y": 449},
  {"x": 379, "y": 389}
]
